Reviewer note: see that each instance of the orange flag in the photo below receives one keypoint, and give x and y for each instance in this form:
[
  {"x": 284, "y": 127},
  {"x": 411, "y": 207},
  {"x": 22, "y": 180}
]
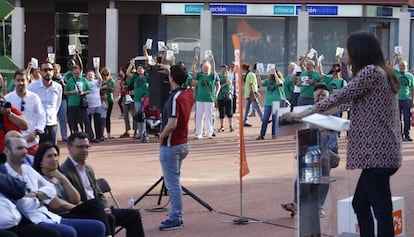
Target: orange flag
[{"x": 244, "y": 168}]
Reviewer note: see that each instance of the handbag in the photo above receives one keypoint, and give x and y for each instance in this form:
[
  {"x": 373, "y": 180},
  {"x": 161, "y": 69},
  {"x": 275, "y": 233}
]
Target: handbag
[
  {"x": 83, "y": 103},
  {"x": 128, "y": 99}
]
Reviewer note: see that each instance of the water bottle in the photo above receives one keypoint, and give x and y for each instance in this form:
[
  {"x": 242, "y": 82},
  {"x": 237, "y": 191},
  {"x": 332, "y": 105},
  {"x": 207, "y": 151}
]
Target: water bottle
[
  {"x": 131, "y": 201},
  {"x": 307, "y": 168},
  {"x": 316, "y": 166}
]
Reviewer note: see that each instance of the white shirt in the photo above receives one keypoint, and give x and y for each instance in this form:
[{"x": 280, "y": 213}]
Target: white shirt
[
  {"x": 84, "y": 179},
  {"x": 51, "y": 98},
  {"x": 10, "y": 215},
  {"x": 31, "y": 207},
  {"x": 33, "y": 112},
  {"x": 94, "y": 97}
]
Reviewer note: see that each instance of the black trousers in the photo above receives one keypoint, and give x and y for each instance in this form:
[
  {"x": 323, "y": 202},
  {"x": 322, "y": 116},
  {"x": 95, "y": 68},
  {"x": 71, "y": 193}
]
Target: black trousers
[{"x": 130, "y": 219}]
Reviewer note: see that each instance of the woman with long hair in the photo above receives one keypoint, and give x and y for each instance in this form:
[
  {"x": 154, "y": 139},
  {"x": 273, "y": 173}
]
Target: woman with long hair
[{"x": 374, "y": 134}]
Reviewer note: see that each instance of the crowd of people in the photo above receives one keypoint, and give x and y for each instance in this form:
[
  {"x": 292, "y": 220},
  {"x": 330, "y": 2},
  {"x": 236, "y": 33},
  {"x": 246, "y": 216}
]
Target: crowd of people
[{"x": 41, "y": 100}]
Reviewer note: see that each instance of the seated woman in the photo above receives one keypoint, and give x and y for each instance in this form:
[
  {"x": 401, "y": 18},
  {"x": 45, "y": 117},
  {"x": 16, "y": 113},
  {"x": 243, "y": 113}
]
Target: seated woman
[{"x": 67, "y": 202}]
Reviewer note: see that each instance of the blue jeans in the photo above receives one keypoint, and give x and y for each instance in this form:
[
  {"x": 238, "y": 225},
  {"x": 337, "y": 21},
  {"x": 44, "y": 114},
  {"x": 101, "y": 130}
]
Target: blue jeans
[
  {"x": 265, "y": 120},
  {"x": 171, "y": 158},
  {"x": 405, "y": 107},
  {"x": 78, "y": 227},
  {"x": 62, "y": 119},
  {"x": 255, "y": 105},
  {"x": 138, "y": 107},
  {"x": 49, "y": 134},
  {"x": 373, "y": 190}
]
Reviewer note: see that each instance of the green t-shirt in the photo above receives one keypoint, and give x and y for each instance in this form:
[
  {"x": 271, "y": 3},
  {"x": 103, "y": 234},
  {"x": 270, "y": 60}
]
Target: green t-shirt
[
  {"x": 288, "y": 87},
  {"x": 224, "y": 88},
  {"x": 334, "y": 84},
  {"x": 10, "y": 86},
  {"x": 307, "y": 90},
  {"x": 406, "y": 85},
  {"x": 109, "y": 93},
  {"x": 83, "y": 85},
  {"x": 206, "y": 87},
  {"x": 189, "y": 80},
  {"x": 250, "y": 79},
  {"x": 272, "y": 92},
  {"x": 140, "y": 86}
]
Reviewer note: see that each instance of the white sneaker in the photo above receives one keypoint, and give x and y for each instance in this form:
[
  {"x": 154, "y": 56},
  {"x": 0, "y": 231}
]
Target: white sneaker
[{"x": 197, "y": 137}]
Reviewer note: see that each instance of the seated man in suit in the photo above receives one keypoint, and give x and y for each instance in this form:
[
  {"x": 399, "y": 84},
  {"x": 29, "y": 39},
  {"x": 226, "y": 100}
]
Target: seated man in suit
[{"x": 82, "y": 178}]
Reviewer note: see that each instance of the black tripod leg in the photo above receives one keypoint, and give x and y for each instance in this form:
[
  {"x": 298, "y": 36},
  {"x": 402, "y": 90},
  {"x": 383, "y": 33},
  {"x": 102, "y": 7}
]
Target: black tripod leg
[
  {"x": 149, "y": 190},
  {"x": 163, "y": 191},
  {"x": 197, "y": 199}
]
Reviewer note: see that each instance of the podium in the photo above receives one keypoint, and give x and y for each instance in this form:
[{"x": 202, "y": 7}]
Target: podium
[{"x": 313, "y": 162}]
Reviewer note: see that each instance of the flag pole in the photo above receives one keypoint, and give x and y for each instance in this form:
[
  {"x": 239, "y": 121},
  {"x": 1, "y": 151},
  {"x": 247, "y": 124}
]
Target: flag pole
[{"x": 244, "y": 169}]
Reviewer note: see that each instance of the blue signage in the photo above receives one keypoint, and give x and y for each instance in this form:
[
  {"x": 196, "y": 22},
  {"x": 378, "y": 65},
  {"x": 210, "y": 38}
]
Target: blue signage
[
  {"x": 216, "y": 9},
  {"x": 320, "y": 10},
  {"x": 384, "y": 11},
  {"x": 193, "y": 8},
  {"x": 221, "y": 9},
  {"x": 411, "y": 12},
  {"x": 283, "y": 10}
]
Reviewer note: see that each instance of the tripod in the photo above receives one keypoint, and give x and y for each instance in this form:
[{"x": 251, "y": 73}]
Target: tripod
[{"x": 163, "y": 191}]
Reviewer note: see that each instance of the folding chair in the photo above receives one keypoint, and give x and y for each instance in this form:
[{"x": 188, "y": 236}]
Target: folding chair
[{"x": 105, "y": 188}]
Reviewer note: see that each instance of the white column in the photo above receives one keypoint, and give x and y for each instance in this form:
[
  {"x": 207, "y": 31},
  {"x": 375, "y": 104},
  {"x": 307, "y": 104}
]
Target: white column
[
  {"x": 17, "y": 36},
  {"x": 206, "y": 22},
  {"x": 111, "y": 45},
  {"x": 303, "y": 31},
  {"x": 404, "y": 35}
]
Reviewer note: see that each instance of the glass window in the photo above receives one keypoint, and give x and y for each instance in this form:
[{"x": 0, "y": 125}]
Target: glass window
[
  {"x": 325, "y": 35},
  {"x": 185, "y": 31},
  {"x": 71, "y": 29},
  {"x": 262, "y": 40},
  {"x": 5, "y": 38}
]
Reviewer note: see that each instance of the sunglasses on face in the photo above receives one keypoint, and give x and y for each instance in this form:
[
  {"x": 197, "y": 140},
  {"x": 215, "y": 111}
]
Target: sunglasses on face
[{"x": 47, "y": 69}]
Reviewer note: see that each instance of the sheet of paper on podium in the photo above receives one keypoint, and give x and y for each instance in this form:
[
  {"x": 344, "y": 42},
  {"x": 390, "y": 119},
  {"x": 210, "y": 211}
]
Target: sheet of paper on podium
[
  {"x": 328, "y": 122},
  {"x": 283, "y": 127}
]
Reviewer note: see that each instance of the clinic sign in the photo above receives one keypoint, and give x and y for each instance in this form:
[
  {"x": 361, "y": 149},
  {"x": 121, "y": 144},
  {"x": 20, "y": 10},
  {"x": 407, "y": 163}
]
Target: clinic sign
[
  {"x": 320, "y": 10},
  {"x": 262, "y": 9},
  {"x": 284, "y": 10},
  {"x": 216, "y": 9}
]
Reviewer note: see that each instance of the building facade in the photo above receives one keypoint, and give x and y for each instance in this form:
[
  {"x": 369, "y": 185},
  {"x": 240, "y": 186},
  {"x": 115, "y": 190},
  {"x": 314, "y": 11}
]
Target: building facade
[{"x": 271, "y": 32}]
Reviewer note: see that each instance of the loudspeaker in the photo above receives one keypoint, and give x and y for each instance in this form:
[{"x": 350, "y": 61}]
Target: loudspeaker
[{"x": 159, "y": 89}]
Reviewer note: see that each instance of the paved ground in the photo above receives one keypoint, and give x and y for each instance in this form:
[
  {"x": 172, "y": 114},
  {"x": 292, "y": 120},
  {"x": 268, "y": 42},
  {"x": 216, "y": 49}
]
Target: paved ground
[{"x": 211, "y": 172}]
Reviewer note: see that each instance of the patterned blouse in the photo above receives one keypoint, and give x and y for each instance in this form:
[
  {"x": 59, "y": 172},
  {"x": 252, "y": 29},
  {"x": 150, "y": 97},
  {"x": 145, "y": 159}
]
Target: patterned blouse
[{"x": 374, "y": 139}]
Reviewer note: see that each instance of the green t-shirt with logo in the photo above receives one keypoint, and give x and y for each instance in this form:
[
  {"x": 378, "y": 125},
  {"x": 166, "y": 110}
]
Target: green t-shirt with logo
[
  {"x": 406, "y": 85},
  {"x": 206, "y": 87},
  {"x": 224, "y": 88},
  {"x": 334, "y": 84},
  {"x": 307, "y": 90},
  {"x": 82, "y": 85},
  {"x": 272, "y": 92},
  {"x": 140, "y": 86},
  {"x": 109, "y": 93}
]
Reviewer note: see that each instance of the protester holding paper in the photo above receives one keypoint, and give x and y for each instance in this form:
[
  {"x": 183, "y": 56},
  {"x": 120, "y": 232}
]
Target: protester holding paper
[
  {"x": 306, "y": 82},
  {"x": 374, "y": 134},
  {"x": 274, "y": 92},
  {"x": 405, "y": 96},
  {"x": 140, "y": 82}
]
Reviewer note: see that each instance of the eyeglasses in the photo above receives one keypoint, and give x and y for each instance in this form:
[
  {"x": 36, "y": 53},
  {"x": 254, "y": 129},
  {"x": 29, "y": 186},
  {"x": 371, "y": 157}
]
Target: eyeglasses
[
  {"x": 47, "y": 69},
  {"x": 105, "y": 74},
  {"x": 22, "y": 105}
]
